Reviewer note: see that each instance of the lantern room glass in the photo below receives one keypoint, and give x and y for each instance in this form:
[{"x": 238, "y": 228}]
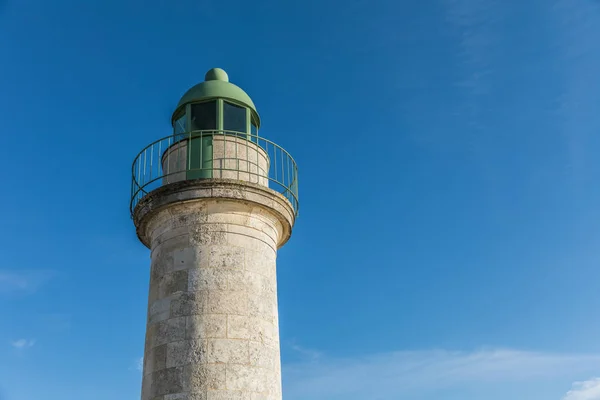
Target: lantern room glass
[
  {"x": 235, "y": 118},
  {"x": 180, "y": 125},
  {"x": 204, "y": 116}
]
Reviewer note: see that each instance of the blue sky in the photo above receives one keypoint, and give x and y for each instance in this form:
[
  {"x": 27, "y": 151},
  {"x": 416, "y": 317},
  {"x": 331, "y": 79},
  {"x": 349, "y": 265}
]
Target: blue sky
[{"x": 449, "y": 189}]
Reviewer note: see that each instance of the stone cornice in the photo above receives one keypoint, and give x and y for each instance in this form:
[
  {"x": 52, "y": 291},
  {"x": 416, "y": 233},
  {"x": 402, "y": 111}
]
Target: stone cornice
[{"x": 213, "y": 189}]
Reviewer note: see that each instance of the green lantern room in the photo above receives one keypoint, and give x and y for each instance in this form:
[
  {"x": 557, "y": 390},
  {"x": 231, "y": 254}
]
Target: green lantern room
[
  {"x": 215, "y": 136},
  {"x": 215, "y": 128}
]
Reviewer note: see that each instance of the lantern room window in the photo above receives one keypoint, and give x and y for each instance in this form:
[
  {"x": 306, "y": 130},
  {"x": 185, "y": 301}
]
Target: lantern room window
[
  {"x": 234, "y": 118},
  {"x": 180, "y": 125},
  {"x": 204, "y": 116}
]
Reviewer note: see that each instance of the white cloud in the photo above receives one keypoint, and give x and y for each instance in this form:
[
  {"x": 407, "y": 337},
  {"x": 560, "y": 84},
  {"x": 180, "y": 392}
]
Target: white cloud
[
  {"x": 409, "y": 374},
  {"x": 305, "y": 353},
  {"x": 575, "y": 25},
  {"x": 23, "y": 281},
  {"x": 587, "y": 390},
  {"x": 23, "y": 343},
  {"x": 138, "y": 364}
]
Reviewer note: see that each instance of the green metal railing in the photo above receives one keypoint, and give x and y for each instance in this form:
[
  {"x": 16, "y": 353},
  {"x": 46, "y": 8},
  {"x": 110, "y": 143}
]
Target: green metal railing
[{"x": 214, "y": 154}]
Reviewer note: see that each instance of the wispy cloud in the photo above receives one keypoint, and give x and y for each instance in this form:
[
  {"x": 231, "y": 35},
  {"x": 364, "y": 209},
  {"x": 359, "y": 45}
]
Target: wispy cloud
[
  {"x": 475, "y": 29},
  {"x": 587, "y": 390},
  {"x": 399, "y": 374},
  {"x": 481, "y": 48},
  {"x": 576, "y": 25},
  {"x": 25, "y": 282},
  {"x": 307, "y": 353},
  {"x": 23, "y": 343},
  {"x": 138, "y": 364},
  {"x": 304, "y": 352}
]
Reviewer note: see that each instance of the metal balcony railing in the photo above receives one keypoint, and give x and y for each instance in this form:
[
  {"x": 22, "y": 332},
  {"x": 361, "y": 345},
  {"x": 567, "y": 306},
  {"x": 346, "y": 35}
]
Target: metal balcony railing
[{"x": 214, "y": 154}]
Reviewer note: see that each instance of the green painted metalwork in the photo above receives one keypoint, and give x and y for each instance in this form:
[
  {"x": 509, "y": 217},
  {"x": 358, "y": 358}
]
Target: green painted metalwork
[
  {"x": 190, "y": 156},
  {"x": 200, "y": 156},
  {"x": 217, "y": 86}
]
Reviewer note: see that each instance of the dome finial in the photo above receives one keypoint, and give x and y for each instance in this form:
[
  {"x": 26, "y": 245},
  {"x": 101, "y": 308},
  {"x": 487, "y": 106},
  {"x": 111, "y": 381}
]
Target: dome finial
[{"x": 216, "y": 74}]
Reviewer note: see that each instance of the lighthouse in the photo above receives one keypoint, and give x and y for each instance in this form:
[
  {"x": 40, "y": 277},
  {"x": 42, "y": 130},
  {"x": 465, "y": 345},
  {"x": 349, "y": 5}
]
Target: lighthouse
[{"x": 213, "y": 201}]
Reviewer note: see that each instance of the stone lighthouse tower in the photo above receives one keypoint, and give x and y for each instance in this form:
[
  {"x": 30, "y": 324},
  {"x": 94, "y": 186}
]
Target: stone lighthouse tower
[{"x": 213, "y": 201}]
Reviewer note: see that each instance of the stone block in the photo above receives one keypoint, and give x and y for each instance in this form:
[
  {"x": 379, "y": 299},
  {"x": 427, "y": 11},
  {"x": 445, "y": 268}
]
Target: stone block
[
  {"x": 262, "y": 331},
  {"x": 186, "y": 258},
  {"x": 173, "y": 282},
  {"x": 158, "y": 220},
  {"x": 246, "y": 378},
  {"x": 159, "y": 310},
  {"x": 161, "y": 262},
  {"x": 155, "y": 359},
  {"x": 227, "y": 192},
  {"x": 207, "y": 279},
  {"x": 261, "y": 263},
  {"x": 153, "y": 291},
  {"x": 238, "y": 327},
  {"x": 226, "y": 257},
  {"x": 204, "y": 377},
  {"x": 260, "y": 285},
  {"x": 208, "y": 234},
  {"x": 180, "y": 219},
  {"x": 227, "y": 302},
  {"x": 171, "y": 244},
  {"x": 159, "y": 267},
  {"x": 170, "y": 330},
  {"x": 186, "y": 352},
  {"x": 263, "y": 356},
  {"x": 206, "y": 326},
  {"x": 228, "y": 351},
  {"x": 264, "y": 307},
  {"x": 146, "y": 387},
  {"x": 227, "y": 218},
  {"x": 171, "y": 239},
  {"x": 167, "y": 381},
  {"x": 237, "y": 280},
  {"x": 273, "y": 383},
  {"x": 268, "y": 286},
  {"x": 189, "y": 303}
]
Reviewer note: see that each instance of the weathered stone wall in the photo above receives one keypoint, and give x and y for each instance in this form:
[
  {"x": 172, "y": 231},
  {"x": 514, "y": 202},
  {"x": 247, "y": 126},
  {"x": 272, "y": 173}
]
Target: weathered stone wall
[
  {"x": 174, "y": 162},
  {"x": 238, "y": 158},
  {"x": 212, "y": 329}
]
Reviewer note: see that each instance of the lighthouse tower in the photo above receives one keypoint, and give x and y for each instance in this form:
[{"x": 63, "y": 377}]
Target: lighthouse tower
[{"x": 213, "y": 201}]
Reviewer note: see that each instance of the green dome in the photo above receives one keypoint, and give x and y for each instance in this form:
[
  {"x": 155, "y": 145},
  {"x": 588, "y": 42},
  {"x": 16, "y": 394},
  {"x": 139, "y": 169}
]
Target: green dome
[{"x": 216, "y": 85}]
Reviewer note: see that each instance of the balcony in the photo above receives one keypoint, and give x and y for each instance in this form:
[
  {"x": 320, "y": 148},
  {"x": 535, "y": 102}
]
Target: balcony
[{"x": 214, "y": 154}]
